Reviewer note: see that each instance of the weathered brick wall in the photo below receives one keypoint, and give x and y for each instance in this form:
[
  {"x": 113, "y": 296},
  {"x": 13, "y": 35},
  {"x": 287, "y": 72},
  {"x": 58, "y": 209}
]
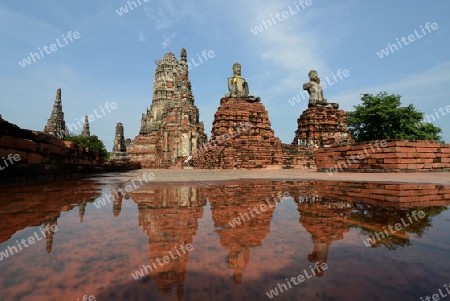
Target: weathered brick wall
[
  {"x": 30, "y": 156},
  {"x": 385, "y": 156},
  {"x": 146, "y": 150},
  {"x": 298, "y": 157}
]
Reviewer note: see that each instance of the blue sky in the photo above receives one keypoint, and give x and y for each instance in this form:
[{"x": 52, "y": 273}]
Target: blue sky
[{"x": 113, "y": 60}]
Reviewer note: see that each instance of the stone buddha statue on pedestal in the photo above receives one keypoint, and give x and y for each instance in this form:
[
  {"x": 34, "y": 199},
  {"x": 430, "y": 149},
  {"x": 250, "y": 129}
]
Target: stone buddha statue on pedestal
[
  {"x": 238, "y": 86},
  {"x": 315, "y": 92}
]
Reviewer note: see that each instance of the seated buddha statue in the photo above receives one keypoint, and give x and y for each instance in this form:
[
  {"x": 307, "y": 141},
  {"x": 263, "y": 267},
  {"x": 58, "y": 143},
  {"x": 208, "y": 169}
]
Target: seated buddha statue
[
  {"x": 315, "y": 92},
  {"x": 238, "y": 86}
]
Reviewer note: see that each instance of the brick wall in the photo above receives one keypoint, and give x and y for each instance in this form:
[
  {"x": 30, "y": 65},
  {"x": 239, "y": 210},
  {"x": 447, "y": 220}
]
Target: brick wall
[
  {"x": 385, "y": 156},
  {"x": 298, "y": 157},
  {"x": 39, "y": 157}
]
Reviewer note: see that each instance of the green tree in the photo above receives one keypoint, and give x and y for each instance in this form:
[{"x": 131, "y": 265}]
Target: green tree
[
  {"x": 382, "y": 117},
  {"x": 91, "y": 142}
]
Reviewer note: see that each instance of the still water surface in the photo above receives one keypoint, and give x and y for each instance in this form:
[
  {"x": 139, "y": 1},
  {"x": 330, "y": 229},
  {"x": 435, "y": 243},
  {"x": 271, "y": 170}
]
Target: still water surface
[{"x": 188, "y": 238}]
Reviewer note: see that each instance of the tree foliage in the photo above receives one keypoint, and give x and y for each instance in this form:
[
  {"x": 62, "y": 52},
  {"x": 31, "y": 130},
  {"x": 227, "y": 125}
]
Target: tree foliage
[
  {"x": 382, "y": 117},
  {"x": 91, "y": 142},
  {"x": 368, "y": 214}
]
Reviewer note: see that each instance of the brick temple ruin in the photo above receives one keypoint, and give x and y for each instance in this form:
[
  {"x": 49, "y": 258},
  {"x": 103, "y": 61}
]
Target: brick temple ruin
[
  {"x": 242, "y": 137},
  {"x": 172, "y": 136},
  {"x": 256, "y": 146},
  {"x": 56, "y": 126},
  {"x": 171, "y": 130},
  {"x": 119, "y": 152},
  {"x": 323, "y": 127}
]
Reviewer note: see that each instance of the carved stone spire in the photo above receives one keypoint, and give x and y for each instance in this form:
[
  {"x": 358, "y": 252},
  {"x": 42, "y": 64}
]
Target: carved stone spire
[
  {"x": 86, "y": 132},
  {"x": 56, "y": 125},
  {"x": 183, "y": 56},
  {"x": 170, "y": 129},
  {"x": 119, "y": 152}
]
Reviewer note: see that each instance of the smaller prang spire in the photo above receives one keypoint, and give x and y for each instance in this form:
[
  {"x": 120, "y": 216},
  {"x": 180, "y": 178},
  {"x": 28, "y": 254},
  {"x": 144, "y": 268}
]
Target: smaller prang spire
[
  {"x": 56, "y": 125},
  {"x": 86, "y": 132},
  {"x": 119, "y": 152}
]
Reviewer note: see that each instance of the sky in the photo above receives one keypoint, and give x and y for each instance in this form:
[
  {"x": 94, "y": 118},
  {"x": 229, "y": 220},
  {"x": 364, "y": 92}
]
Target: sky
[{"x": 110, "y": 56}]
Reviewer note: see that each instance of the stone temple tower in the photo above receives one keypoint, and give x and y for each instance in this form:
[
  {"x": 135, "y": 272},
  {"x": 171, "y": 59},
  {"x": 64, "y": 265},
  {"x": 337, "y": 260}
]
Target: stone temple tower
[
  {"x": 119, "y": 151},
  {"x": 86, "y": 132},
  {"x": 170, "y": 129},
  {"x": 56, "y": 125}
]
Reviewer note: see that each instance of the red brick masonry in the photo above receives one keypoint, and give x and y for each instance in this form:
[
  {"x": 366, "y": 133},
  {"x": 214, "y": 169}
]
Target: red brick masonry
[
  {"x": 393, "y": 156},
  {"x": 253, "y": 147},
  {"x": 43, "y": 157},
  {"x": 242, "y": 138}
]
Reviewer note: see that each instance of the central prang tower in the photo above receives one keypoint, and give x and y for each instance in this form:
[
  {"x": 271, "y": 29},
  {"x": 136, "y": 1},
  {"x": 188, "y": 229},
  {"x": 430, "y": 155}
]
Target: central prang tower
[{"x": 170, "y": 129}]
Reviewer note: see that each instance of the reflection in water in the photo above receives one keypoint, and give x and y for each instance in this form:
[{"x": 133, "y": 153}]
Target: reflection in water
[
  {"x": 229, "y": 203},
  {"x": 374, "y": 220},
  {"x": 169, "y": 217},
  {"x": 82, "y": 211},
  {"x": 42, "y": 205},
  {"x": 250, "y": 257},
  {"x": 50, "y": 229},
  {"x": 327, "y": 219},
  {"x": 117, "y": 197},
  {"x": 323, "y": 220}
]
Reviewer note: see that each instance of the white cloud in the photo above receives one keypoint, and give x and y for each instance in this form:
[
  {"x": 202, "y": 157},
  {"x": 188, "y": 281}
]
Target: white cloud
[
  {"x": 168, "y": 13},
  {"x": 292, "y": 46},
  {"x": 418, "y": 88}
]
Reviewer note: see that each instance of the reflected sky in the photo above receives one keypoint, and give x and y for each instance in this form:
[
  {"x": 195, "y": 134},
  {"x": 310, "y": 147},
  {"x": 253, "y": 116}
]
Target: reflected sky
[{"x": 238, "y": 252}]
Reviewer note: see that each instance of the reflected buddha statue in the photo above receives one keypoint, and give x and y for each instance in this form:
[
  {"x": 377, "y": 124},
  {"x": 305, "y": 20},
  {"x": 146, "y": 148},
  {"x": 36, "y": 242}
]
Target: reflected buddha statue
[
  {"x": 169, "y": 217},
  {"x": 117, "y": 201},
  {"x": 229, "y": 204},
  {"x": 238, "y": 260},
  {"x": 323, "y": 219}
]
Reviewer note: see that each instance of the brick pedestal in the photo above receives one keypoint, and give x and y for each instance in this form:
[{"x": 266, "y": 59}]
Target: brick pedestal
[
  {"x": 322, "y": 126},
  {"x": 241, "y": 137}
]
